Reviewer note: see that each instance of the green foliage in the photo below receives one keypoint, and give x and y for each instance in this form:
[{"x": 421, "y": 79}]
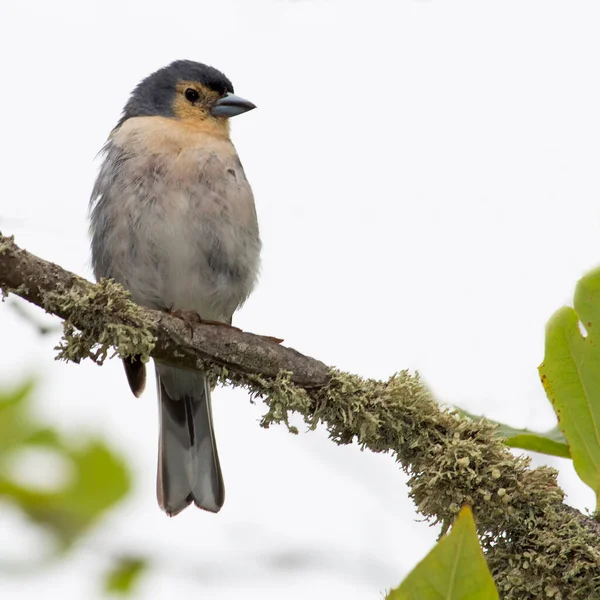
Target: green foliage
[
  {"x": 570, "y": 374},
  {"x": 99, "y": 478},
  {"x": 551, "y": 442},
  {"x": 123, "y": 576},
  {"x": 454, "y": 570}
]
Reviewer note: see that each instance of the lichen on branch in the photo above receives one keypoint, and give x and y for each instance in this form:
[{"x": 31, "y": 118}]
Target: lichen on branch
[
  {"x": 536, "y": 546},
  {"x": 101, "y": 318}
]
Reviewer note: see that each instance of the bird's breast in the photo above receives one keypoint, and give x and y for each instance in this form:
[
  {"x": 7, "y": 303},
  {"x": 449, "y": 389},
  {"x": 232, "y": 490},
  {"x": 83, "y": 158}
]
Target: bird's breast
[{"x": 178, "y": 216}]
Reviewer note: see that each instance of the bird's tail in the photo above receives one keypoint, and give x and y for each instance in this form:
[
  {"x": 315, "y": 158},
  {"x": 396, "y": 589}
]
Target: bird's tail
[{"x": 188, "y": 463}]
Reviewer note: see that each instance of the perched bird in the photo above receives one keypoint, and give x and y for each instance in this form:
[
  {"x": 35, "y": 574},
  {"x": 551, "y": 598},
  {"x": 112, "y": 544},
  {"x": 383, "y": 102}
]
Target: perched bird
[{"x": 172, "y": 219}]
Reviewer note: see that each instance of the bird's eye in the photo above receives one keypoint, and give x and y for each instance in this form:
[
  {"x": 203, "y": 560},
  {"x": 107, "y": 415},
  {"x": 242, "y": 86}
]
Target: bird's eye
[{"x": 192, "y": 95}]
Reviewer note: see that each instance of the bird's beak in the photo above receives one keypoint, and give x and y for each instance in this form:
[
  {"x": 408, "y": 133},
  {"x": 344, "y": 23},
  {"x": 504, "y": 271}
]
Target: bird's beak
[{"x": 231, "y": 105}]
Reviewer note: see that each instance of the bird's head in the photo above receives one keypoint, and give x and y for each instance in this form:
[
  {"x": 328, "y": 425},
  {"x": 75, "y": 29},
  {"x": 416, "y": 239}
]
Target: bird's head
[{"x": 188, "y": 91}]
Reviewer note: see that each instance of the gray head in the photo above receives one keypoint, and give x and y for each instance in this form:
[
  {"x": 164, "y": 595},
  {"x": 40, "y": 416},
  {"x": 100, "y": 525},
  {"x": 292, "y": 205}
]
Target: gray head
[{"x": 185, "y": 90}]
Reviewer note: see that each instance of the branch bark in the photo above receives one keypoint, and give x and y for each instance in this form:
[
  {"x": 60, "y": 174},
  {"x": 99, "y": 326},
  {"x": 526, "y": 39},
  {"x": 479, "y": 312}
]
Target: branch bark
[
  {"x": 40, "y": 281},
  {"x": 536, "y": 546}
]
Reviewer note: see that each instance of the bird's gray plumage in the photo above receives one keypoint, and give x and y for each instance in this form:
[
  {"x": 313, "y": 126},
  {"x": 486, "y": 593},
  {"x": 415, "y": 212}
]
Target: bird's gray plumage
[
  {"x": 188, "y": 462},
  {"x": 167, "y": 227},
  {"x": 173, "y": 220}
]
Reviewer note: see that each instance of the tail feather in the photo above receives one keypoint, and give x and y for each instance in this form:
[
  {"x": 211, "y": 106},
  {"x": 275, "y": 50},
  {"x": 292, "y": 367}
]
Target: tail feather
[
  {"x": 135, "y": 370},
  {"x": 188, "y": 462}
]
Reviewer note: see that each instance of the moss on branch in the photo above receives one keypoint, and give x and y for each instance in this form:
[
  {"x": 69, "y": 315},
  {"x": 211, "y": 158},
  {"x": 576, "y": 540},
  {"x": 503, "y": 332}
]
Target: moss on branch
[
  {"x": 101, "y": 317},
  {"x": 536, "y": 546}
]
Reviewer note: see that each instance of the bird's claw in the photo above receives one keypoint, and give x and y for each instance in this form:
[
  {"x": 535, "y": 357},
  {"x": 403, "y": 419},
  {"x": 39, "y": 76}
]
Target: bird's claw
[{"x": 191, "y": 318}]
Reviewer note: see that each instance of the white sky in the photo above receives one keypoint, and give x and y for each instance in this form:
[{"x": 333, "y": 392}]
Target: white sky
[{"x": 426, "y": 177}]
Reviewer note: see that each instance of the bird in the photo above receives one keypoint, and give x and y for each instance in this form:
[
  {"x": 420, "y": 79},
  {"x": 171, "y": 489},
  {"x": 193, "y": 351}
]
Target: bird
[{"x": 173, "y": 219}]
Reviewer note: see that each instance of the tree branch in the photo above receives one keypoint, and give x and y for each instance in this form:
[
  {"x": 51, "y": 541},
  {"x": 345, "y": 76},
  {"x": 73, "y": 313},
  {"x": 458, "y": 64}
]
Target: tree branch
[
  {"x": 535, "y": 545},
  {"x": 47, "y": 285}
]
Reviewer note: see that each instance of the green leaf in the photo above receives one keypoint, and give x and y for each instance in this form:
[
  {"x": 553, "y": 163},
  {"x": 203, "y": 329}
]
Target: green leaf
[
  {"x": 100, "y": 478},
  {"x": 551, "y": 442},
  {"x": 454, "y": 570},
  {"x": 570, "y": 374},
  {"x": 121, "y": 579},
  {"x": 14, "y": 430}
]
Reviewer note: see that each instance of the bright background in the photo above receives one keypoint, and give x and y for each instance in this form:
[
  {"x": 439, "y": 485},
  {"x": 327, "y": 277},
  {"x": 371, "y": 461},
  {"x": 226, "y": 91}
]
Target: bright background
[{"x": 426, "y": 177}]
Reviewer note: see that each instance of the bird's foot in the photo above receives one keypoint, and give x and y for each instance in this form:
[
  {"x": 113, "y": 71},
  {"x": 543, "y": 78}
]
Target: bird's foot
[{"x": 191, "y": 318}]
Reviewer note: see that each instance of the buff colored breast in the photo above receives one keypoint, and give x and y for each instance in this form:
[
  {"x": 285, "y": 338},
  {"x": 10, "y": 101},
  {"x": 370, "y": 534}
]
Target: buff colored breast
[{"x": 176, "y": 217}]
